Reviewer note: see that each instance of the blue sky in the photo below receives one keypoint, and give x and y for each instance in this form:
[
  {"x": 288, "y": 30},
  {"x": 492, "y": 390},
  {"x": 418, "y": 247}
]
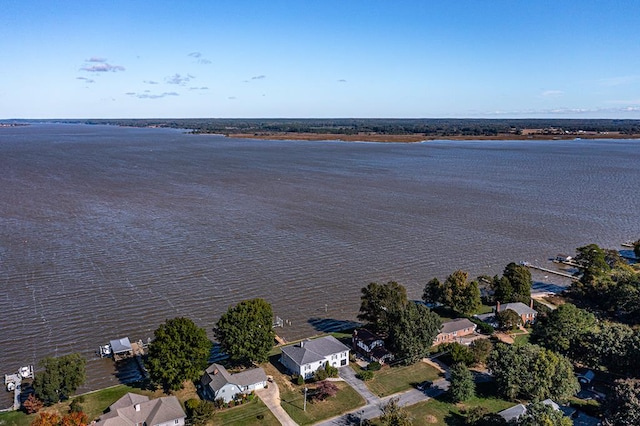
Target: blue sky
[{"x": 320, "y": 58}]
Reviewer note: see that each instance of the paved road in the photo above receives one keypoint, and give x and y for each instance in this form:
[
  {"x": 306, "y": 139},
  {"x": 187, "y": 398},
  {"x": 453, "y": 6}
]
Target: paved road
[
  {"x": 271, "y": 398},
  {"x": 374, "y": 403}
]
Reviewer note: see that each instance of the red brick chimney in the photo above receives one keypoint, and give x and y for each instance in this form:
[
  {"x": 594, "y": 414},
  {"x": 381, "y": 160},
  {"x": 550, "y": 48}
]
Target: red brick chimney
[
  {"x": 498, "y": 307},
  {"x": 531, "y": 304}
]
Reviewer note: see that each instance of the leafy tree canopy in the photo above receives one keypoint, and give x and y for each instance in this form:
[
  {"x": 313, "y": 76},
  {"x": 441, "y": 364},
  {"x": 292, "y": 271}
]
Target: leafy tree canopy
[
  {"x": 245, "y": 331},
  {"x": 539, "y": 414},
  {"x": 564, "y": 328},
  {"x": 413, "y": 331},
  {"x": 394, "y": 415},
  {"x": 460, "y": 294},
  {"x": 380, "y": 303},
  {"x": 623, "y": 404},
  {"x": 178, "y": 352},
  {"x": 508, "y": 319},
  {"x": 462, "y": 386},
  {"x": 60, "y": 378}
]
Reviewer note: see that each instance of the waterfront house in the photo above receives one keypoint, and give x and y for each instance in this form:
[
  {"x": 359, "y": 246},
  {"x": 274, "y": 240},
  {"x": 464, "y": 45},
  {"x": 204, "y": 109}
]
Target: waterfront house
[
  {"x": 454, "y": 330},
  {"x": 137, "y": 410},
  {"x": 370, "y": 345},
  {"x": 308, "y": 356},
  {"x": 527, "y": 313},
  {"x": 217, "y": 382}
]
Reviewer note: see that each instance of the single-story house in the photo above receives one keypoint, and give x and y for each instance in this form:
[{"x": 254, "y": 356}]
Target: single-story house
[
  {"x": 370, "y": 345},
  {"x": 217, "y": 382},
  {"x": 516, "y": 411},
  {"x": 308, "y": 356},
  {"x": 527, "y": 313},
  {"x": 451, "y": 331},
  {"x": 133, "y": 410}
]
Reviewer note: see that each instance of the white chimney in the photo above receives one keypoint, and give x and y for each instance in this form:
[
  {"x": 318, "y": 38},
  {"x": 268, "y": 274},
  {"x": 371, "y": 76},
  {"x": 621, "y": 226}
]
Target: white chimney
[
  {"x": 302, "y": 344},
  {"x": 137, "y": 407}
]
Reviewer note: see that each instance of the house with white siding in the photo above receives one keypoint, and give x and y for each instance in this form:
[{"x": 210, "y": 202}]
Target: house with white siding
[
  {"x": 308, "y": 356},
  {"x": 217, "y": 382}
]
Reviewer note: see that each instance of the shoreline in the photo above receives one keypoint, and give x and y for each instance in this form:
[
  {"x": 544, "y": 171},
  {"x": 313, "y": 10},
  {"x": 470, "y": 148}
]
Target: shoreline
[{"x": 415, "y": 138}]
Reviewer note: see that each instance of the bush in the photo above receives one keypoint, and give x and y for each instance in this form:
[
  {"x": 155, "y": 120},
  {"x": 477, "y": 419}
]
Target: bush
[
  {"x": 300, "y": 380},
  {"x": 374, "y": 366},
  {"x": 483, "y": 327},
  {"x": 331, "y": 371},
  {"x": 365, "y": 375},
  {"x": 461, "y": 354},
  {"x": 320, "y": 375},
  {"x": 32, "y": 404},
  {"x": 191, "y": 405}
]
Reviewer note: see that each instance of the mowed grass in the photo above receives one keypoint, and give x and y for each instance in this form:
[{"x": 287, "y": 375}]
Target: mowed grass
[
  {"x": 441, "y": 412},
  {"x": 390, "y": 380},
  {"x": 16, "y": 418},
  {"x": 248, "y": 414},
  {"x": 347, "y": 399}
]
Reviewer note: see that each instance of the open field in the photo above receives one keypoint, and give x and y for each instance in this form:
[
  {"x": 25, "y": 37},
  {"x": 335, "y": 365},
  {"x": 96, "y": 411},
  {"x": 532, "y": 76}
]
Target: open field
[
  {"x": 390, "y": 380},
  {"x": 346, "y": 400}
]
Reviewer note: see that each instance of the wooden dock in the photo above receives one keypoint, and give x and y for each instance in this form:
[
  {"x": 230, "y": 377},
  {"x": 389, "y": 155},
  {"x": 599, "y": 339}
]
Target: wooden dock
[
  {"x": 550, "y": 271},
  {"x": 15, "y": 381}
]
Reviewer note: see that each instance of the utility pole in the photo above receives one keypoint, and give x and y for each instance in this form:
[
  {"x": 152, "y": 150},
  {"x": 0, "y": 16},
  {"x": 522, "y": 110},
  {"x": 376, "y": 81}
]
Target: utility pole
[{"x": 305, "y": 399}]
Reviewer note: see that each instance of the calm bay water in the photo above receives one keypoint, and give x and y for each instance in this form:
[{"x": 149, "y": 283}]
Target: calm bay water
[{"x": 106, "y": 232}]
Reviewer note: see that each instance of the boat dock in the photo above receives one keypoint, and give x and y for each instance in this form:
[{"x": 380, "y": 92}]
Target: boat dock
[
  {"x": 13, "y": 382},
  {"x": 550, "y": 271}
]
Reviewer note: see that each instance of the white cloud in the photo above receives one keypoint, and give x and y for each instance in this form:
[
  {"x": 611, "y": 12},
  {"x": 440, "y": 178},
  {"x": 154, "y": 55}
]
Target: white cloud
[{"x": 551, "y": 93}]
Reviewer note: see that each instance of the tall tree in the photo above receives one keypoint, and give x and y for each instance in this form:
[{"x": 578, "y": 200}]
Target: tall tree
[
  {"x": 380, "y": 303},
  {"x": 432, "y": 292},
  {"x": 245, "y": 331},
  {"x": 178, "y": 352},
  {"x": 394, "y": 415},
  {"x": 519, "y": 278},
  {"x": 462, "y": 386},
  {"x": 623, "y": 404},
  {"x": 593, "y": 262},
  {"x": 539, "y": 414},
  {"x": 563, "y": 330},
  {"x": 413, "y": 331},
  {"x": 460, "y": 294},
  {"x": 508, "y": 319},
  {"x": 532, "y": 372},
  {"x": 60, "y": 378}
]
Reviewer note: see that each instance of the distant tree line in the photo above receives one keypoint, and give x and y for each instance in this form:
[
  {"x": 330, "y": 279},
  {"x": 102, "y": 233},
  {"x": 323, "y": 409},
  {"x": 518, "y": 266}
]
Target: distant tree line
[{"x": 427, "y": 127}]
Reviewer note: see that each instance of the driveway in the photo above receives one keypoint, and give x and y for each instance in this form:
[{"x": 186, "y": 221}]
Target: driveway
[{"x": 271, "y": 398}]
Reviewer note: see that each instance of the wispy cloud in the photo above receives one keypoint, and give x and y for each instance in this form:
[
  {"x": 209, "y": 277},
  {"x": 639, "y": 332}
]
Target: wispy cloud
[
  {"x": 551, "y": 93},
  {"x": 179, "y": 79},
  {"x": 200, "y": 59},
  {"x": 259, "y": 77},
  {"x": 103, "y": 67},
  {"x": 619, "y": 81},
  {"x": 195, "y": 54},
  {"x": 147, "y": 95},
  {"x": 203, "y": 61},
  {"x": 342, "y": 80},
  {"x": 199, "y": 88},
  {"x": 85, "y": 79},
  {"x": 565, "y": 111},
  {"x": 232, "y": 97},
  {"x": 96, "y": 59},
  {"x": 150, "y": 82}
]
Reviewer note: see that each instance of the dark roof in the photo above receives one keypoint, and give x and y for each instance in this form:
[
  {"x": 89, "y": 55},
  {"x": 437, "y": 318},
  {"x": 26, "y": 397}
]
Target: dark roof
[
  {"x": 365, "y": 335},
  {"x": 457, "y": 324},
  {"x": 216, "y": 376},
  {"x": 315, "y": 350}
]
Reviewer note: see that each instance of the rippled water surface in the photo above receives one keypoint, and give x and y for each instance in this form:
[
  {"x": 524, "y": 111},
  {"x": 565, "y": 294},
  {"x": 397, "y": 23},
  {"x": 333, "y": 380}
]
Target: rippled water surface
[{"x": 106, "y": 232}]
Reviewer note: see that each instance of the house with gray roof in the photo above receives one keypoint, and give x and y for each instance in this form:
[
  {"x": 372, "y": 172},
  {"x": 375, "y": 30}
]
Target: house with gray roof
[
  {"x": 308, "y": 356},
  {"x": 453, "y": 330},
  {"x": 135, "y": 410},
  {"x": 527, "y": 313},
  {"x": 217, "y": 382}
]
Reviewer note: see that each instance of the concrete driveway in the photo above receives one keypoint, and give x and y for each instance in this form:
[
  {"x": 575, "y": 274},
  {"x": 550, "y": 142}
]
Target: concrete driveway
[{"x": 271, "y": 398}]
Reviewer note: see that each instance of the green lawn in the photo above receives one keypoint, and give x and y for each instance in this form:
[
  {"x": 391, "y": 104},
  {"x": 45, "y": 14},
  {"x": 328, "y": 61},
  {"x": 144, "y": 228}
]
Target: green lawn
[
  {"x": 441, "y": 412},
  {"x": 249, "y": 414},
  {"x": 16, "y": 418},
  {"x": 521, "y": 339},
  {"x": 390, "y": 380},
  {"x": 346, "y": 400}
]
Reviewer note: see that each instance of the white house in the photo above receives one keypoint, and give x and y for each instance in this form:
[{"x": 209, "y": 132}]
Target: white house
[
  {"x": 133, "y": 409},
  {"x": 217, "y": 382},
  {"x": 308, "y": 356}
]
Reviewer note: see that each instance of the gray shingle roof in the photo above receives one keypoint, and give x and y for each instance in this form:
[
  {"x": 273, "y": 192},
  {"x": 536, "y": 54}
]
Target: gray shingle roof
[
  {"x": 152, "y": 412},
  {"x": 518, "y": 307},
  {"x": 216, "y": 376},
  {"x": 315, "y": 350},
  {"x": 513, "y": 413},
  {"x": 120, "y": 345},
  {"x": 457, "y": 324}
]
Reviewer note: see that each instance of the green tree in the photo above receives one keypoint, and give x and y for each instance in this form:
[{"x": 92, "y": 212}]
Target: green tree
[
  {"x": 462, "y": 386},
  {"x": 460, "y": 353},
  {"x": 508, "y": 319},
  {"x": 636, "y": 248},
  {"x": 433, "y": 292},
  {"x": 539, "y": 414},
  {"x": 394, "y": 415},
  {"x": 178, "y": 352},
  {"x": 481, "y": 349},
  {"x": 593, "y": 262},
  {"x": 519, "y": 278},
  {"x": 460, "y": 294},
  {"x": 380, "y": 303},
  {"x": 412, "y": 332},
  {"x": 563, "y": 330},
  {"x": 532, "y": 372},
  {"x": 245, "y": 331},
  {"x": 60, "y": 378},
  {"x": 502, "y": 289},
  {"x": 622, "y": 406}
]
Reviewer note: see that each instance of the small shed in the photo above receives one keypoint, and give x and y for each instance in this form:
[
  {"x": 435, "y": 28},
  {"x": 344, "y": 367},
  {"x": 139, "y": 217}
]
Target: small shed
[
  {"x": 121, "y": 347},
  {"x": 587, "y": 377}
]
